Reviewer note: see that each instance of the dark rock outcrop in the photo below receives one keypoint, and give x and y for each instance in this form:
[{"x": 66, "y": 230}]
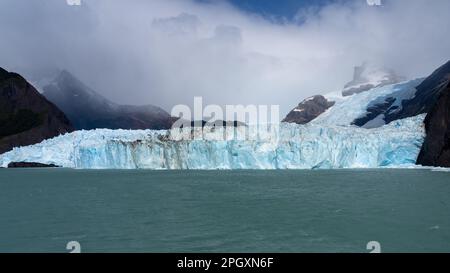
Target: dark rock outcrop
[
  {"x": 387, "y": 106},
  {"x": 436, "y": 147},
  {"x": 367, "y": 76},
  {"x": 222, "y": 123},
  {"x": 426, "y": 95},
  {"x": 30, "y": 165},
  {"x": 373, "y": 112},
  {"x": 26, "y": 117},
  {"x": 308, "y": 110},
  {"x": 88, "y": 110}
]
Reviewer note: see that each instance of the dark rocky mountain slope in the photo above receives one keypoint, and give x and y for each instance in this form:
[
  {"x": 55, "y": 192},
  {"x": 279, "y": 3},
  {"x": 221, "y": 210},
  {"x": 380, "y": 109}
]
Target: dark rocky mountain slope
[
  {"x": 308, "y": 110},
  {"x": 436, "y": 148},
  {"x": 26, "y": 117},
  {"x": 426, "y": 95},
  {"x": 87, "y": 110}
]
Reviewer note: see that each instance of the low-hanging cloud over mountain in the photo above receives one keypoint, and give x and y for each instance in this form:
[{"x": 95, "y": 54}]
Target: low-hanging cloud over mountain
[{"x": 167, "y": 52}]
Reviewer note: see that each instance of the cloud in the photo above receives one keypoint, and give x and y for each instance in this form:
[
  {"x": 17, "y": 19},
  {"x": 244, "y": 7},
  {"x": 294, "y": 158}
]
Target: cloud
[
  {"x": 167, "y": 52},
  {"x": 183, "y": 25}
]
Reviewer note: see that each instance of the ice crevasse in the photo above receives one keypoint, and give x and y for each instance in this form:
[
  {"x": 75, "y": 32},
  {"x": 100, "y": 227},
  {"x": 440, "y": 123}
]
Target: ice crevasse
[{"x": 290, "y": 146}]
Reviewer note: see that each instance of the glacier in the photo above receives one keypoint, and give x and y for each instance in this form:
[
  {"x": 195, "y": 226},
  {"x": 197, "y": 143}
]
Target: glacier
[
  {"x": 347, "y": 109},
  {"x": 284, "y": 146}
]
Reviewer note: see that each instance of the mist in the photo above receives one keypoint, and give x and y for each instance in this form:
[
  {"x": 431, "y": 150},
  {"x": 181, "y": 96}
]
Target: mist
[{"x": 166, "y": 52}]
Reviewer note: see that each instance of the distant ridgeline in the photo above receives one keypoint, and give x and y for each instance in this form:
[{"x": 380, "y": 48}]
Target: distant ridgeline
[
  {"x": 378, "y": 97},
  {"x": 87, "y": 110}
]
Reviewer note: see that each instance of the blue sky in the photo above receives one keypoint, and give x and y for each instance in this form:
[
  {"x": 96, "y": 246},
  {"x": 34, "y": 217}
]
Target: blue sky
[{"x": 277, "y": 9}]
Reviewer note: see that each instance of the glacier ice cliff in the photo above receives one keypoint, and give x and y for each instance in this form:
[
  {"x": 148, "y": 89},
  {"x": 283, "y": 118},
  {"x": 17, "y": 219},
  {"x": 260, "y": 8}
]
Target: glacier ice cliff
[{"x": 290, "y": 146}]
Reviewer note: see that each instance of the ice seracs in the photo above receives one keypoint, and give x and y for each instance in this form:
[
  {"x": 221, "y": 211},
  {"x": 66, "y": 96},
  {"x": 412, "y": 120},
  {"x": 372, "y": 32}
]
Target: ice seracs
[{"x": 293, "y": 146}]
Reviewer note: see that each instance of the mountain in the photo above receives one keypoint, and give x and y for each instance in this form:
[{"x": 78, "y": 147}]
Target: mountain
[
  {"x": 308, "y": 110},
  {"x": 389, "y": 103},
  {"x": 429, "y": 95},
  {"x": 426, "y": 95},
  {"x": 87, "y": 110},
  {"x": 368, "y": 76},
  {"x": 402, "y": 103},
  {"x": 365, "y": 108},
  {"x": 433, "y": 96},
  {"x": 26, "y": 117},
  {"x": 388, "y": 106},
  {"x": 403, "y": 124}
]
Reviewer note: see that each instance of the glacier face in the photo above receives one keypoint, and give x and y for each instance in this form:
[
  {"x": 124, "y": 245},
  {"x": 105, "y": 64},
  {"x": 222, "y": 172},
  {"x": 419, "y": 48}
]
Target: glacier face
[{"x": 290, "y": 146}]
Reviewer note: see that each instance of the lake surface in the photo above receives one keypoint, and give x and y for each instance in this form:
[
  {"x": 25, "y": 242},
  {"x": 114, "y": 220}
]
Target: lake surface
[{"x": 224, "y": 211}]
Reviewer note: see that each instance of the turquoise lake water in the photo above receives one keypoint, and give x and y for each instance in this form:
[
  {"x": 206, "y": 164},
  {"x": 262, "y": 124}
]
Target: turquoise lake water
[{"x": 224, "y": 211}]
